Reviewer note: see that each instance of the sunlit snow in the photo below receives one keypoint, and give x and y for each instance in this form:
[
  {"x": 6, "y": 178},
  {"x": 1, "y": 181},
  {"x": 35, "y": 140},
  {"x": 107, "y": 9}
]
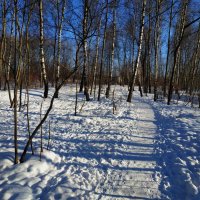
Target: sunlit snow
[{"x": 145, "y": 150}]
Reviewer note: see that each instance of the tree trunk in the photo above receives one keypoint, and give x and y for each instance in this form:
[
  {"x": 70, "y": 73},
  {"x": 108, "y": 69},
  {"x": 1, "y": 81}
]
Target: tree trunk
[
  {"x": 96, "y": 62},
  {"x": 102, "y": 52},
  {"x": 42, "y": 61},
  {"x": 168, "y": 49},
  {"x": 84, "y": 79},
  {"x": 131, "y": 85},
  {"x": 60, "y": 22},
  {"x": 149, "y": 53},
  {"x": 195, "y": 62},
  {"x": 15, "y": 87},
  {"x": 85, "y": 55},
  {"x": 112, "y": 54},
  {"x": 180, "y": 37},
  {"x": 3, "y": 42},
  {"x": 157, "y": 34},
  {"x": 23, "y": 156},
  {"x": 8, "y": 67},
  {"x": 20, "y": 93}
]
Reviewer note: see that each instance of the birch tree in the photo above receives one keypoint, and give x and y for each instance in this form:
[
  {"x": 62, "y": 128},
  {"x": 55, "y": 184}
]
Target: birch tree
[
  {"x": 94, "y": 75},
  {"x": 60, "y": 23},
  {"x": 157, "y": 36},
  {"x": 84, "y": 79},
  {"x": 42, "y": 58},
  {"x": 102, "y": 52},
  {"x": 16, "y": 160},
  {"x": 177, "y": 47},
  {"x": 132, "y": 82},
  {"x": 168, "y": 49},
  {"x": 112, "y": 51}
]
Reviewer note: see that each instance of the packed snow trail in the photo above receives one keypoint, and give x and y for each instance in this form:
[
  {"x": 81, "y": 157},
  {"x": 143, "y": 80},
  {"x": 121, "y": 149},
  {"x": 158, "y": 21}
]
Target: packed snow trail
[
  {"x": 95, "y": 155},
  {"x": 179, "y": 147},
  {"x": 109, "y": 156}
]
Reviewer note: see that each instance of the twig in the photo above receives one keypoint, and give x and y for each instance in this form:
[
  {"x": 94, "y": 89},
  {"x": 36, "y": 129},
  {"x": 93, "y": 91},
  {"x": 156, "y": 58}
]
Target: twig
[{"x": 49, "y": 135}]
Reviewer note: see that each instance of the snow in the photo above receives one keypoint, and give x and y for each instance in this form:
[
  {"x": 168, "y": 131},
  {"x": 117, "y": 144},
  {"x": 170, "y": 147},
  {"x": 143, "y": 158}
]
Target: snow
[
  {"x": 179, "y": 145},
  {"x": 145, "y": 150}
]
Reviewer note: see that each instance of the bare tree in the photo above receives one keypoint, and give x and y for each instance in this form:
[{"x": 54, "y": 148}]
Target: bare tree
[
  {"x": 132, "y": 82},
  {"x": 60, "y": 22},
  {"x": 157, "y": 36},
  {"x": 42, "y": 60},
  {"x": 94, "y": 78},
  {"x": 168, "y": 48},
  {"x": 102, "y": 51},
  {"x": 177, "y": 47},
  {"x": 3, "y": 42},
  {"x": 195, "y": 62},
  {"x": 112, "y": 51},
  {"x": 15, "y": 87},
  {"x": 23, "y": 156},
  {"x": 84, "y": 79}
]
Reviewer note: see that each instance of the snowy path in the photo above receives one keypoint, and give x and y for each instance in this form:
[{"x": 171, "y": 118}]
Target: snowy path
[
  {"x": 109, "y": 156},
  {"x": 96, "y": 155},
  {"x": 179, "y": 147},
  {"x": 132, "y": 174}
]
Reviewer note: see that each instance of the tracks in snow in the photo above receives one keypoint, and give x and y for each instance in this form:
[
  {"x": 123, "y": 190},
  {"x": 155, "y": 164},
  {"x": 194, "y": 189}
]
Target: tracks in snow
[
  {"x": 108, "y": 156},
  {"x": 98, "y": 155}
]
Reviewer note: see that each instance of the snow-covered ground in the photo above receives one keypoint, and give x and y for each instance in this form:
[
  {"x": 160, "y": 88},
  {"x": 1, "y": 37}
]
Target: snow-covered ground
[{"x": 145, "y": 150}]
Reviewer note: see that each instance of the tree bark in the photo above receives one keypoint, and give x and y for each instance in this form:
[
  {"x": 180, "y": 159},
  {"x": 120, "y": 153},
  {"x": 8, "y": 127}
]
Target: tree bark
[
  {"x": 195, "y": 62},
  {"x": 176, "y": 50},
  {"x": 157, "y": 34},
  {"x": 3, "y": 42},
  {"x": 96, "y": 62},
  {"x": 60, "y": 22},
  {"x": 168, "y": 49},
  {"x": 112, "y": 53},
  {"x": 15, "y": 88},
  {"x": 84, "y": 79},
  {"x": 132, "y": 82},
  {"x": 102, "y": 52},
  {"x": 42, "y": 61}
]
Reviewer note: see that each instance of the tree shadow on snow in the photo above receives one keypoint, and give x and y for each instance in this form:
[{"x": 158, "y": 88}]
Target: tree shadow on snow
[{"x": 174, "y": 148}]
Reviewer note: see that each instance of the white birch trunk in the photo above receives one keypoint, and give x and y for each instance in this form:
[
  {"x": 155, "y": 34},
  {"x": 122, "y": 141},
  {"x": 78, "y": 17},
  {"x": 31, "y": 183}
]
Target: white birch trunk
[
  {"x": 138, "y": 54},
  {"x": 42, "y": 61},
  {"x": 59, "y": 42},
  {"x": 96, "y": 61}
]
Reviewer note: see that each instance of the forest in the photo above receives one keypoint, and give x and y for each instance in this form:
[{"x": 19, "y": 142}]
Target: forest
[{"x": 100, "y": 91}]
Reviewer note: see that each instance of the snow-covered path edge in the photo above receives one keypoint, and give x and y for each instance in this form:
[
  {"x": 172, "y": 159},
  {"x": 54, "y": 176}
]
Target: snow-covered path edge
[{"x": 178, "y": 147}]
